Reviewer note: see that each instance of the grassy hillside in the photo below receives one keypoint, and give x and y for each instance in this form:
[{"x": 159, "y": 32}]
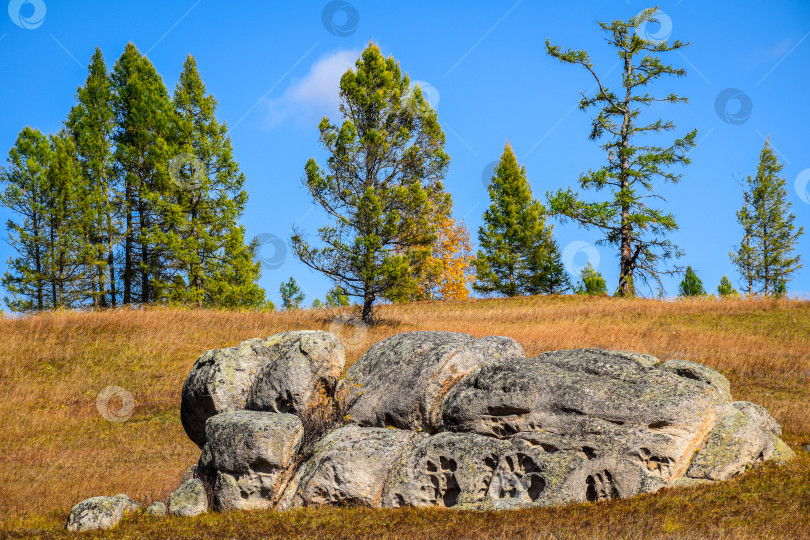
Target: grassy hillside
[{"x": 56, "y": 449}]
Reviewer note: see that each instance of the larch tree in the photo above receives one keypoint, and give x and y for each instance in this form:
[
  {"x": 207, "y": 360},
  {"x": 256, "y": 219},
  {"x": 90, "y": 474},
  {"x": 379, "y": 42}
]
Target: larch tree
[
  {"x": 208, "y": 262},
  {"x": 144, "y": 123},
  {"x": 630, "y": 224},
  {"x": 518, "y": 254},
  {"x": 91, "y": 122},
  {"x": 381, "y": 184},
  {"x": 766, "y": 257},
  {"x": 25, "y": 192},
  {"x": 444, "y": 273}
]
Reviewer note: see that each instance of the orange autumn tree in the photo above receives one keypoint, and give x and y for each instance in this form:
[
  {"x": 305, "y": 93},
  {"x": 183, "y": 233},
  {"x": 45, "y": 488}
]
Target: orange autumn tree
[{"x": 444, "y": 270}]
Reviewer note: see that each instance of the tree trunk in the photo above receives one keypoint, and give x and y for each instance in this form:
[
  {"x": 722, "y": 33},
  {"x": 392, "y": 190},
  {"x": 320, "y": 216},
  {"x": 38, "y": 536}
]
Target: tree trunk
[
  {"x": 143, "y": 230},
  {"x": 128, "y": 247},
  {"x": 368, "y": 308},
  {"x": 38, "y": 264},
  {"x": 626, "y": 287},
  {"x": 110, "y": 255}
]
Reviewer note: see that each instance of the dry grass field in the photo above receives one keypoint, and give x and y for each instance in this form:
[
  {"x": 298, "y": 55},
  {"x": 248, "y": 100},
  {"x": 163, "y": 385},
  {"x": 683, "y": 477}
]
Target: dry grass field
[{"x": 56, "y": 449}]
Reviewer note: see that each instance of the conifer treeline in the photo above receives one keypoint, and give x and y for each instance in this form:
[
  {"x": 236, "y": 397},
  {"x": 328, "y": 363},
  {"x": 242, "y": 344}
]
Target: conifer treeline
[{"x": 136, "y": 200}]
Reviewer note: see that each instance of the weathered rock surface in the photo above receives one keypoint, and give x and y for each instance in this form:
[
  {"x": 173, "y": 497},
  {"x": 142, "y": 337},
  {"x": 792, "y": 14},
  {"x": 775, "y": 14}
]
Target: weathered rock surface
[
  {"x": 100, "y": 512},
  {"x": 247, "y": 457},
  {"x": 597, "y": 403},
  {"x": 280, "y": 373},
  {"x": 305, "y": 368},
  {"x": 349, "y": 467},
  {"x": 189, "y": 499},
  {"x": 402, "y": 381},
  {"x": 744, "y": 437},
  {"x": 445, "y": 419}
]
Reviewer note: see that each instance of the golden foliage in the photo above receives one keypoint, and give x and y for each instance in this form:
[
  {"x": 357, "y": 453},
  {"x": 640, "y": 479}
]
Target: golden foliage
[{"x": 447, "y": 267}]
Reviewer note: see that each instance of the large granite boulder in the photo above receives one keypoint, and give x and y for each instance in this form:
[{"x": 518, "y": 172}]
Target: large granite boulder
[
  {"x": 281, "y": 373},
  {"x": 402, "y": 381},
  {"x": 247, "y": 457},
  {"x": 446, "y": 419},
  {"x": 100, "y": 512}
]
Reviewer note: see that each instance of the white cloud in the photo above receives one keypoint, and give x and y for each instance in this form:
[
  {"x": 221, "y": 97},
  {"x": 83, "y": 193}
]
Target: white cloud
[
  {"x": 761, "y": 55},
  {"x": 315, "y": 95}
]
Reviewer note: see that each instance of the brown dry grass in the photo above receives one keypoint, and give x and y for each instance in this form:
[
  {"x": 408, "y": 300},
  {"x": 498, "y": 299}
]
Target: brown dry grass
[{"x": 56, "y": 449}]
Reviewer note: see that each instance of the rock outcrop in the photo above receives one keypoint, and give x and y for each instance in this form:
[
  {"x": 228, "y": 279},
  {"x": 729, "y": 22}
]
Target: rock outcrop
[{"x": 445, "y": 419}]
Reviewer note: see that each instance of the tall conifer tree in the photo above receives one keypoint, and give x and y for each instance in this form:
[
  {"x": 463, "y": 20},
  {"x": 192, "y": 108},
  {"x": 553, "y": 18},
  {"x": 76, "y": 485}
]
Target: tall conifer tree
[
  {"x": 91, "y": 122},
  {"x": 639, "y": 231},
  {"x": 382, "y": 184},
  {"x": 209, "y": 262},
  {"x": 766, "y": 257},
  {"x": 70, "y": 254},
  {"x": 518, "y": 254},
  {"x": 25, "y": 188},
  {"x": 144, "y": 123}
]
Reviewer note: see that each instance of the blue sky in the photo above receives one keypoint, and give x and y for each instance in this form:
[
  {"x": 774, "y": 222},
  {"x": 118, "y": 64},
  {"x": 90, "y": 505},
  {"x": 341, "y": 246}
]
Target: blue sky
[{"x": 274, "y": 68}]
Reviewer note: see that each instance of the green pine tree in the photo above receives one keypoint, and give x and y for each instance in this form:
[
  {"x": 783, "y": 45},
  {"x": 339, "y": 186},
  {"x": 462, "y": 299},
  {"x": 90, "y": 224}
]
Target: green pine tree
[
  {"x": 518, "y": 254},
  {"x": 766, "y": 257},
  {"x": 291, "y": 295},
  {"x": 144, "y": 124},
  {"x": 592, "y": 283},
  {"x": 317, "y": 304},
  {"x": 208, "y": 261},
  {"x": 638, "y": 231},
  {"x": 336, "y": 297},
  {"x": 383, "y": 182},
  {"x": 725, "y": 288},
  {"x": 25, "y": 192},
  {"x": 70, "y": 254},
  {"x": 43, "y": 187},
  {"x": 691, "y": 285},
  {"x": 91, "y": 123}
]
